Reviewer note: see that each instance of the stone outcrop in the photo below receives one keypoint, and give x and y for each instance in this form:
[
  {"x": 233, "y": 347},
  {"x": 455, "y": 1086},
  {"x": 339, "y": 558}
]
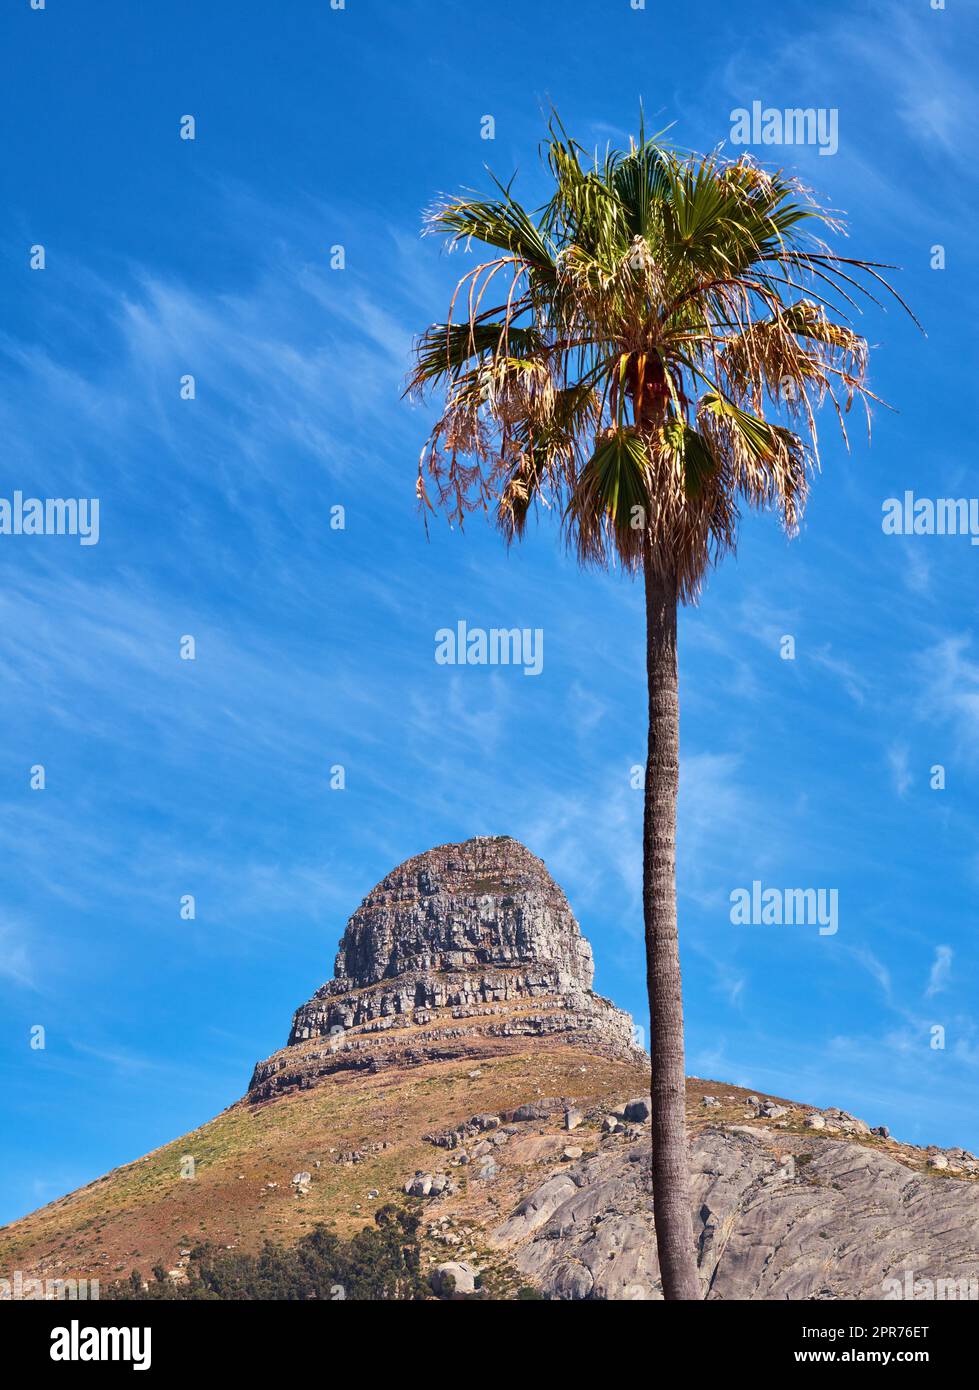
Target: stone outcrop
[
  {"x": 775, "y": 1217},
  {"x": 451, "y": 954}
]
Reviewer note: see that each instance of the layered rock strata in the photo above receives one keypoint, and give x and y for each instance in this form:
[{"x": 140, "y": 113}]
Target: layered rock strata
[{"x": 452, "y": 954}]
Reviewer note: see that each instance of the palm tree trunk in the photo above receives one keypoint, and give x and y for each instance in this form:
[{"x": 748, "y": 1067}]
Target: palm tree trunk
[{"x": 671, "y": 1180}]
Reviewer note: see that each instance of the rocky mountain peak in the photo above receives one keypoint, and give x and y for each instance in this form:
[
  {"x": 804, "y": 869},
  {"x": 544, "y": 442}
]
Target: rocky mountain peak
[
  {"x": 453, "y": 951},
  {"x": 487, "y": 901}
]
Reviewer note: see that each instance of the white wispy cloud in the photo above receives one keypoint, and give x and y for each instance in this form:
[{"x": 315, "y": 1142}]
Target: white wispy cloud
[
  {"x": 948, "y": 683},
  {"x": 898, "y": 762},
  {"x": 941, "y": 971},
  {"x": 854, "y": 682},
  {"x": 875, "y": 968},
  {"x": 15, "y": 957}
]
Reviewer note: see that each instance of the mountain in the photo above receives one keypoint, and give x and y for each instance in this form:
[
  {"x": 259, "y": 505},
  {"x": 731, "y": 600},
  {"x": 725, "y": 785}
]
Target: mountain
[
  {"x": 459, "y": 1063},
  {"x": 457, "y": 954}
]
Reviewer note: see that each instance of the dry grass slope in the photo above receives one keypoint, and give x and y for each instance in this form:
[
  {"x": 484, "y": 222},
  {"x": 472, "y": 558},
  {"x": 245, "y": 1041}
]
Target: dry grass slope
[{"x": 144, "y": 1213}]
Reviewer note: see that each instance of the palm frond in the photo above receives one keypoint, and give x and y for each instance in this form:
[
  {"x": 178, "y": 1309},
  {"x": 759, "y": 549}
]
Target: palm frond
[{"x": 499, "y": 222}]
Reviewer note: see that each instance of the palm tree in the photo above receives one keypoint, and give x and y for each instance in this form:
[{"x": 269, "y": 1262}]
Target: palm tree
[{"x": 664, "y": 329}]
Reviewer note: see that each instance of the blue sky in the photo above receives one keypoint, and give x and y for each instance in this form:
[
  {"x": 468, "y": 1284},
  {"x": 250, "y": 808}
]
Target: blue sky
[{"x": 315, "y": 646}]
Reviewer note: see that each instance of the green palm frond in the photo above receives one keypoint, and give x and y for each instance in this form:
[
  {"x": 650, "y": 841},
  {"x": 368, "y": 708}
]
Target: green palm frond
[
  {"x": 443, "y": 351},
  {"x": 692, "y": 452},
  {"x": 499, "y": 222},
  {"x": 612, "y": 495}
]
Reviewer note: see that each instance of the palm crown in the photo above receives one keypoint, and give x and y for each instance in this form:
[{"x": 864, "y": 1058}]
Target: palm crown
[{"x": 665, "y": 328}]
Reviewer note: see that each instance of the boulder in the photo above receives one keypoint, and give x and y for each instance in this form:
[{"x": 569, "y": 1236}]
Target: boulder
[
  {"x": 454, "y": 1277},
  {"x": 847, "y": 1123},
  {"x": 537, "y": 1109}
]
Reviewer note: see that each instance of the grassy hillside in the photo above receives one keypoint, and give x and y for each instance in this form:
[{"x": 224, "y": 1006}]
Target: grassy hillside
[{"x": 145, "y": 1213}]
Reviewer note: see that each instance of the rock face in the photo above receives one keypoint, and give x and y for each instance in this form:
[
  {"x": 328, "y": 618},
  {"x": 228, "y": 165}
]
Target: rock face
[
  {"x": 455, "y": 948},
  {"x": 832, "y": 1220}
]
